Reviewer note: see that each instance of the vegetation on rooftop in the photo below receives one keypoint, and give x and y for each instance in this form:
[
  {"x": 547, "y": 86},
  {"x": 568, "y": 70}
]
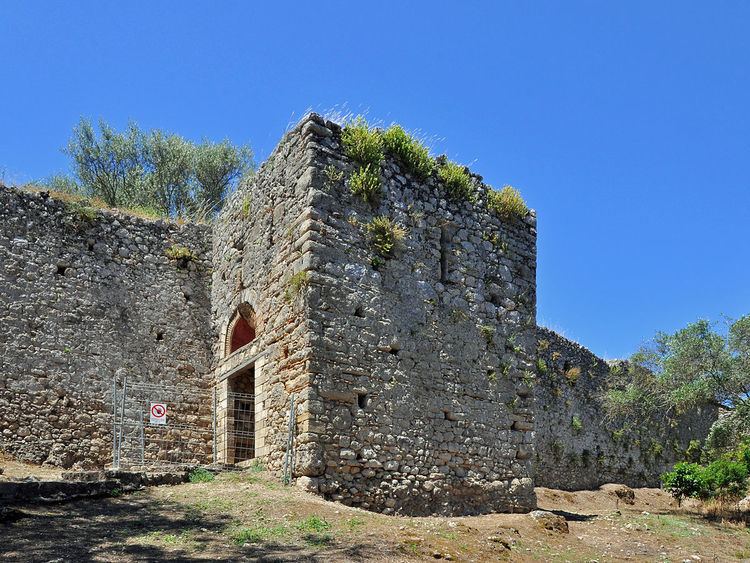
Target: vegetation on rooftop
[
  {"x": 507, "y": 203},
  {"x": 456, "y": 181},
  {"x": 362, "y": 143},
  {"x": 414, "y": 156}
]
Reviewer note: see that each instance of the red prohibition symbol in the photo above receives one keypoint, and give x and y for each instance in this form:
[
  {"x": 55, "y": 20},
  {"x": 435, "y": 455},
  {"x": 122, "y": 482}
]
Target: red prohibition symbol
[{"x": 158, "y": 410}]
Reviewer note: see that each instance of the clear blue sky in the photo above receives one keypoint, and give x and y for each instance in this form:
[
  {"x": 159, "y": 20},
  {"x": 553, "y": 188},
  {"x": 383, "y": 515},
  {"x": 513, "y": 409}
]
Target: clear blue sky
[{"x": 626, "y": 125}]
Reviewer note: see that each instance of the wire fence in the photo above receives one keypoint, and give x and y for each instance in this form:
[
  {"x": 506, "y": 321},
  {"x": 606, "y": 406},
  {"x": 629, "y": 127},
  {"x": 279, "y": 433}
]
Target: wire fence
[{"x": 161, "y": 425}]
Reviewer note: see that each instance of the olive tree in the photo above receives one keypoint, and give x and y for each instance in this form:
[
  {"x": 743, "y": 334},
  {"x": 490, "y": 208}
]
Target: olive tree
[
  {"x": 154, "y": 170},
  {"x": 692, "y": 367}
]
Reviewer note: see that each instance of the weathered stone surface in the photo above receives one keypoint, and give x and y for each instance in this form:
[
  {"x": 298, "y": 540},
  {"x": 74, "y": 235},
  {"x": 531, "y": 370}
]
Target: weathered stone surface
[
  {"x": 75, "y": 308},
  {"x": 411, "y": 377},
  {"x": 622, "y": 492},
  {"x": 550, "y": 521},
  {"x": 576, "y": 446}
]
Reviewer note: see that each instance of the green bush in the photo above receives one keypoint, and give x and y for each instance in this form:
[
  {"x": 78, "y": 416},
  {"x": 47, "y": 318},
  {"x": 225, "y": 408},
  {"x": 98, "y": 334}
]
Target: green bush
[
  {"x": 363, "y": 144},
  {"x": 413, "y": 155},
  {"x": 457, "y": 182},
  {"x": 385, "y": 235},
  {"x": 685, "y": 480},
  {"x": 726, "y": 479},
  {"x": 507, "y": 203},
  {"x": 365, "y": 183},
  {"x": 200, "y": 475}
]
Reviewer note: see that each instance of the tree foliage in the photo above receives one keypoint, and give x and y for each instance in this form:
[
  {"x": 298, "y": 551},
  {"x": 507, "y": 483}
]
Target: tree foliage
[
  {"x": 154, "y": 170},
  {"x": 693, "y": 367}
]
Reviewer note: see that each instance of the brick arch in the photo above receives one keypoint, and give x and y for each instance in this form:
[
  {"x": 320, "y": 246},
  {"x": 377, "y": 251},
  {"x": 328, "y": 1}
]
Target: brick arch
[{"x": 241, "y": 330}]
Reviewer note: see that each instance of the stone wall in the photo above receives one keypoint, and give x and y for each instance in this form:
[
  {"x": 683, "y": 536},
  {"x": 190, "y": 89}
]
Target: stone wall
[
  {"x": 420, "y": 364},
  {"x": 576, "y": 446},
  {"x": 84, "y": 293},
  {"x": 262, "y": 239},
  {"x": 420, "y": 381}
]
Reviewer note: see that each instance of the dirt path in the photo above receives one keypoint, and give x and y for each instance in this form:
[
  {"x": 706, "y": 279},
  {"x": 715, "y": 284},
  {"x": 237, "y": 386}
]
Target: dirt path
[{"x": 250, "y": 517}]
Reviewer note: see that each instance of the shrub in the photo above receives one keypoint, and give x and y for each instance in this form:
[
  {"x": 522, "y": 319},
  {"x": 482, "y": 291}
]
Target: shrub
[
  {"x": 541, "y": 365},
  {"x": 362, "y": 144},
  {"x": 200, "y": 475},
  {"x": 685, "y": 480},
  {"x": 413, "y": 155},
  {"x": 507, "y": 203},
  {"x": 365, "y": 183},
  {"x": 82, "y": 212},
  {"x": 726, "y": 479},
  {"x": 385, "y": 235},
  {"x": 457, "y": 181}
]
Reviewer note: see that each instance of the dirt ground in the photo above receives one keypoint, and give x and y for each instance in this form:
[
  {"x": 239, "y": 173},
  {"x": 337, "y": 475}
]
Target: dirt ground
[
  {"x": 249, "y": 516},
  {"x": 18, "y": 469}
]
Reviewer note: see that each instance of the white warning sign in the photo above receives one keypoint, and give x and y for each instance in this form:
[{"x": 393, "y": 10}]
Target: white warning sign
[{"x": 158, "y": 413}]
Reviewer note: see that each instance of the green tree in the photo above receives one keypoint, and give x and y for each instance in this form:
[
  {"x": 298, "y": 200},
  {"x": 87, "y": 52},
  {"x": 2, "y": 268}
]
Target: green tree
[
  {"x": 169, "y": 167},
  {"x": 155, "y": 170},
  {"x": 217, "y": 166},
  {"x": 685, "y": 480},
  {"x": 693, "y": 367},
  {"x": 108, "y": 165}
]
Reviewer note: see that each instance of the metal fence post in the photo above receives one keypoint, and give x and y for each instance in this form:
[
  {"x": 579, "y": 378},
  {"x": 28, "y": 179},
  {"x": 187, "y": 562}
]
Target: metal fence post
[
  {"x": 122, "y": 420},
  {"x": 288, "y": 458},
  {"x": 213, "y": 425},
  {"x": 114, "y": 421}
]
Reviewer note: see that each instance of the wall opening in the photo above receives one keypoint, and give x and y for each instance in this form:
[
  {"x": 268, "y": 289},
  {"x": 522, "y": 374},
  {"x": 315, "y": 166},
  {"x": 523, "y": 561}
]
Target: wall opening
[
  {"x": 241, "y": 415},
  {"x": 362, "y": 400},
  {"x": 445, "y": 239},
  {"x": 241, "y": 330}
]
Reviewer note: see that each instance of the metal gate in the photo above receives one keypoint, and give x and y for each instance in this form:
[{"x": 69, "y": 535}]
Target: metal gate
[{"x": 162, "y": 425}]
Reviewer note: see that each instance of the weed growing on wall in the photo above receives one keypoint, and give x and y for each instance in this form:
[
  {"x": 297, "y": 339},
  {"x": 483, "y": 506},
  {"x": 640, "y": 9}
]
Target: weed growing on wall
[
  {"x": 296, "y": 283},
  {"x": 488, "y": 333},
  {"x": 247, "y": 203},
  {"x": 409, "y": 151},
  {"x": 333, "y": 175},
  {"x": 507, "y": 203},
  {"x": 385, "y": 235},
  {"x": 180, "y": 254},
  {"x": 365, "y": 183},
  {"x": 572, "y": 375},
  {"x": 362, "y": 144},
  {"x": 456, "y": 181},
  {"x": 576, "y": 424}
]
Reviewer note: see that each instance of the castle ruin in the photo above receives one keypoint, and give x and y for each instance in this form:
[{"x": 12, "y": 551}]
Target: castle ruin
[{"x": 418, "y": 384}]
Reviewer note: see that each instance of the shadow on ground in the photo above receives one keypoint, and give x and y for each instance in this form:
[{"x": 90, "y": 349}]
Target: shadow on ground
[{"x": 140, "y": 528}]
